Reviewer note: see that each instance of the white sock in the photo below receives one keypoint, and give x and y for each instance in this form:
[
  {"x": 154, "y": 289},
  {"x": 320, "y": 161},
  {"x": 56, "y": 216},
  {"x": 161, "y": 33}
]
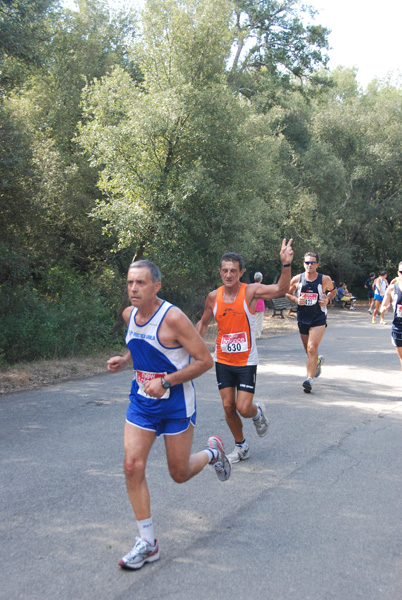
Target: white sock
[
  {"x": 258, "y": 415},
  {"x": 146, "y": 530},
  {"x": 212, "y": 454}
]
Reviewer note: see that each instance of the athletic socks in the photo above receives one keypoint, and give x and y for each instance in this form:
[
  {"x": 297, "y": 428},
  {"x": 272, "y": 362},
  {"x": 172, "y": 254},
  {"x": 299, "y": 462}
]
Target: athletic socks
[
  {"x": 258, "y": 415},
  {"x": 212, "y": 454},
  {"x": 146, "y": 530},
  {"x": 241, "y": 443}
]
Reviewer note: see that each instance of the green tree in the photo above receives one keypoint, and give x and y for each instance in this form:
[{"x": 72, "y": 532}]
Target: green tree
[
  {"x": 23, "y": 32},
  {"x": 84, "y": 44},
  {"x": 274, "y": 47},
  {"x": 345, "y": 148},
  {"x": 17, "y": 182},
  {"x": 365, "y": 132},
  {"x": 169, "y": 145},
  {"x": 189, "y": 168},
  {"x": 47, "y": 188}
]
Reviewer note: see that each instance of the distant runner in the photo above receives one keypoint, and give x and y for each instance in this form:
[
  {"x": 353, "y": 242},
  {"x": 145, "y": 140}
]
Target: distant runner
[
  {"x": 380, "y": 286},
  {"x": 311, "y": 291}
]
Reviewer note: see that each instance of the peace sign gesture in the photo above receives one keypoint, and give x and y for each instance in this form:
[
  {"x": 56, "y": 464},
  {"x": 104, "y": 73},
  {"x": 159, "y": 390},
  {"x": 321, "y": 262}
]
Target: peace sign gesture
[{"x": 286, "y": 252}]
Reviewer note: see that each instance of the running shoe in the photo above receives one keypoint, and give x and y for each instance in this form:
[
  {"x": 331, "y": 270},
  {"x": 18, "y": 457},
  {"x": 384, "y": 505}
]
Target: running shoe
[
  {"x": 320, "y": 362},
  {"x": 221, "y": 464},
  {"x": 261, "y": 423},
  {"x": 352, "y": 308},
  {"x": 240, "y": 452},
  {"x": 307, "y": 385},
  {"x": 142, "y": 552},
  {"x": 373, "y": 320}
]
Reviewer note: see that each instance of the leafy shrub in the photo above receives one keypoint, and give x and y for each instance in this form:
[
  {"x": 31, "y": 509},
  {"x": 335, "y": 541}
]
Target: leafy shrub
[{"x": 69, "y": 317}]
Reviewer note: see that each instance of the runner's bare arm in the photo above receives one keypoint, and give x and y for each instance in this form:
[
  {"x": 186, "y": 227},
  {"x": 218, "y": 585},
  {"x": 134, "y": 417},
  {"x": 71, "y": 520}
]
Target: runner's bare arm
[
  {"x": 387, "y": 299},
  {"x": 118, "y": 363},
  {"x": 292, "y": 288},
  {"x": 208, "y": 314},
  {"x": 329, "y": 287}
]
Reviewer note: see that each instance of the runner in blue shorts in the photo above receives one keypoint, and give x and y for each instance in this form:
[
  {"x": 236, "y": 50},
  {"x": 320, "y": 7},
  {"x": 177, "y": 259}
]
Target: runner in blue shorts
[
  {"x": 393, "y": 295},
  {"x": 311, "y": 291},
  {"x": 161, "y": 342},
  {"x": 379, "y": 286}
]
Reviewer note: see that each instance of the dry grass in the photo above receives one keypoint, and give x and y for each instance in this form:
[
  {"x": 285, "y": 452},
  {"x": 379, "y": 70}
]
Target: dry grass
[{"x": 27, "y": 376}]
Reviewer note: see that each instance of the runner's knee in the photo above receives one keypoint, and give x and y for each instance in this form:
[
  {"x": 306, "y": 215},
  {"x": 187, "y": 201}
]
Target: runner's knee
[
  {"x": 312, "y": 348},
  {"x": 134, "y": 468},
  {"x": 178, "y": 473},
  {"x": 244, "y": 409},
  {"x": 229, "y": 407}
]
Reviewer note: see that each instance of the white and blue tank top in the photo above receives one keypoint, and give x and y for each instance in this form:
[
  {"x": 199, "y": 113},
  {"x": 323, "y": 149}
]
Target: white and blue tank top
[{"x": 152, "y": 359}]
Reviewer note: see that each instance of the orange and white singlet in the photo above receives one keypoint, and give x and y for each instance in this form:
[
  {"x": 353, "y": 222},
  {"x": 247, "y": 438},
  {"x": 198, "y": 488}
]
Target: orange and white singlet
[{"x": 235, "y": 344}]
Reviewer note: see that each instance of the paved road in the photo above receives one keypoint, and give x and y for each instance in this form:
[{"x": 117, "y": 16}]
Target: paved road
[{"x": 314, "y": 514}]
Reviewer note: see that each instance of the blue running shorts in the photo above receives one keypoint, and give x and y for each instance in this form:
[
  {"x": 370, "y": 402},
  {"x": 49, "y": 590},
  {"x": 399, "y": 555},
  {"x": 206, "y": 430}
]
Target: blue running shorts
[{"x": 161, "y": 426}]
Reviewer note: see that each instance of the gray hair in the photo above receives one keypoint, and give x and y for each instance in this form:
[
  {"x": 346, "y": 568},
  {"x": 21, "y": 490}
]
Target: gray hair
[
  {"x": 258, "y": 276},
  {"x": 232, "y": 257},
  {"x": 152, "y": 268}
]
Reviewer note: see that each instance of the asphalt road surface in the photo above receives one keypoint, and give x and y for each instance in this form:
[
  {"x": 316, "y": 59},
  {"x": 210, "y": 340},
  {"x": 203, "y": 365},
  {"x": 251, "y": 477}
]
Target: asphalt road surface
[{"x": 313, "y": 514}]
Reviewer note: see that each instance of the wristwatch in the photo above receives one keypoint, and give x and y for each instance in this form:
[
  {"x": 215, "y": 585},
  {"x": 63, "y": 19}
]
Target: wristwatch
[{"x": 165, "y": 384}]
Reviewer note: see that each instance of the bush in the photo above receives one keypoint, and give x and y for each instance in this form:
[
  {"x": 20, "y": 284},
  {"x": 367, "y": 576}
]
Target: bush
[{"x": 36, "y": 324}]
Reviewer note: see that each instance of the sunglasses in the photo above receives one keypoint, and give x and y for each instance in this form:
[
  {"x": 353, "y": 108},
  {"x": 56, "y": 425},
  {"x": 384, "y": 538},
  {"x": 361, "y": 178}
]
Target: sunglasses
[
  {"x": 400, "y": 272},
  {"x": 310, "y": 262}
]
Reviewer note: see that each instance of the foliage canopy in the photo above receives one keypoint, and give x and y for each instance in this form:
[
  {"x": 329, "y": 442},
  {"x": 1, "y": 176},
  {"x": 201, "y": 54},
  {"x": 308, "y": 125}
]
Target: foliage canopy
[{"x": 192, "y": 129}]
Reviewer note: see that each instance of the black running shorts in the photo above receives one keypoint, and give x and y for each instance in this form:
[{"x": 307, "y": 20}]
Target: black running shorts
[
  {"x": 397, "y": 337},
  {"x": 242, "y": 378},
  {"x": 304, "y": 328}
]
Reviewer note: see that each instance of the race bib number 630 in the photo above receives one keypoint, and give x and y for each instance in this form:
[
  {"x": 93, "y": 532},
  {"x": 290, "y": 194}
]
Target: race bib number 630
[{"x": 234, "y": 342}]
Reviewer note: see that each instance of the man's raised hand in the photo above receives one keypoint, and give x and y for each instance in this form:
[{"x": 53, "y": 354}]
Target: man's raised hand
[{"x": 286, "y": 252}]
